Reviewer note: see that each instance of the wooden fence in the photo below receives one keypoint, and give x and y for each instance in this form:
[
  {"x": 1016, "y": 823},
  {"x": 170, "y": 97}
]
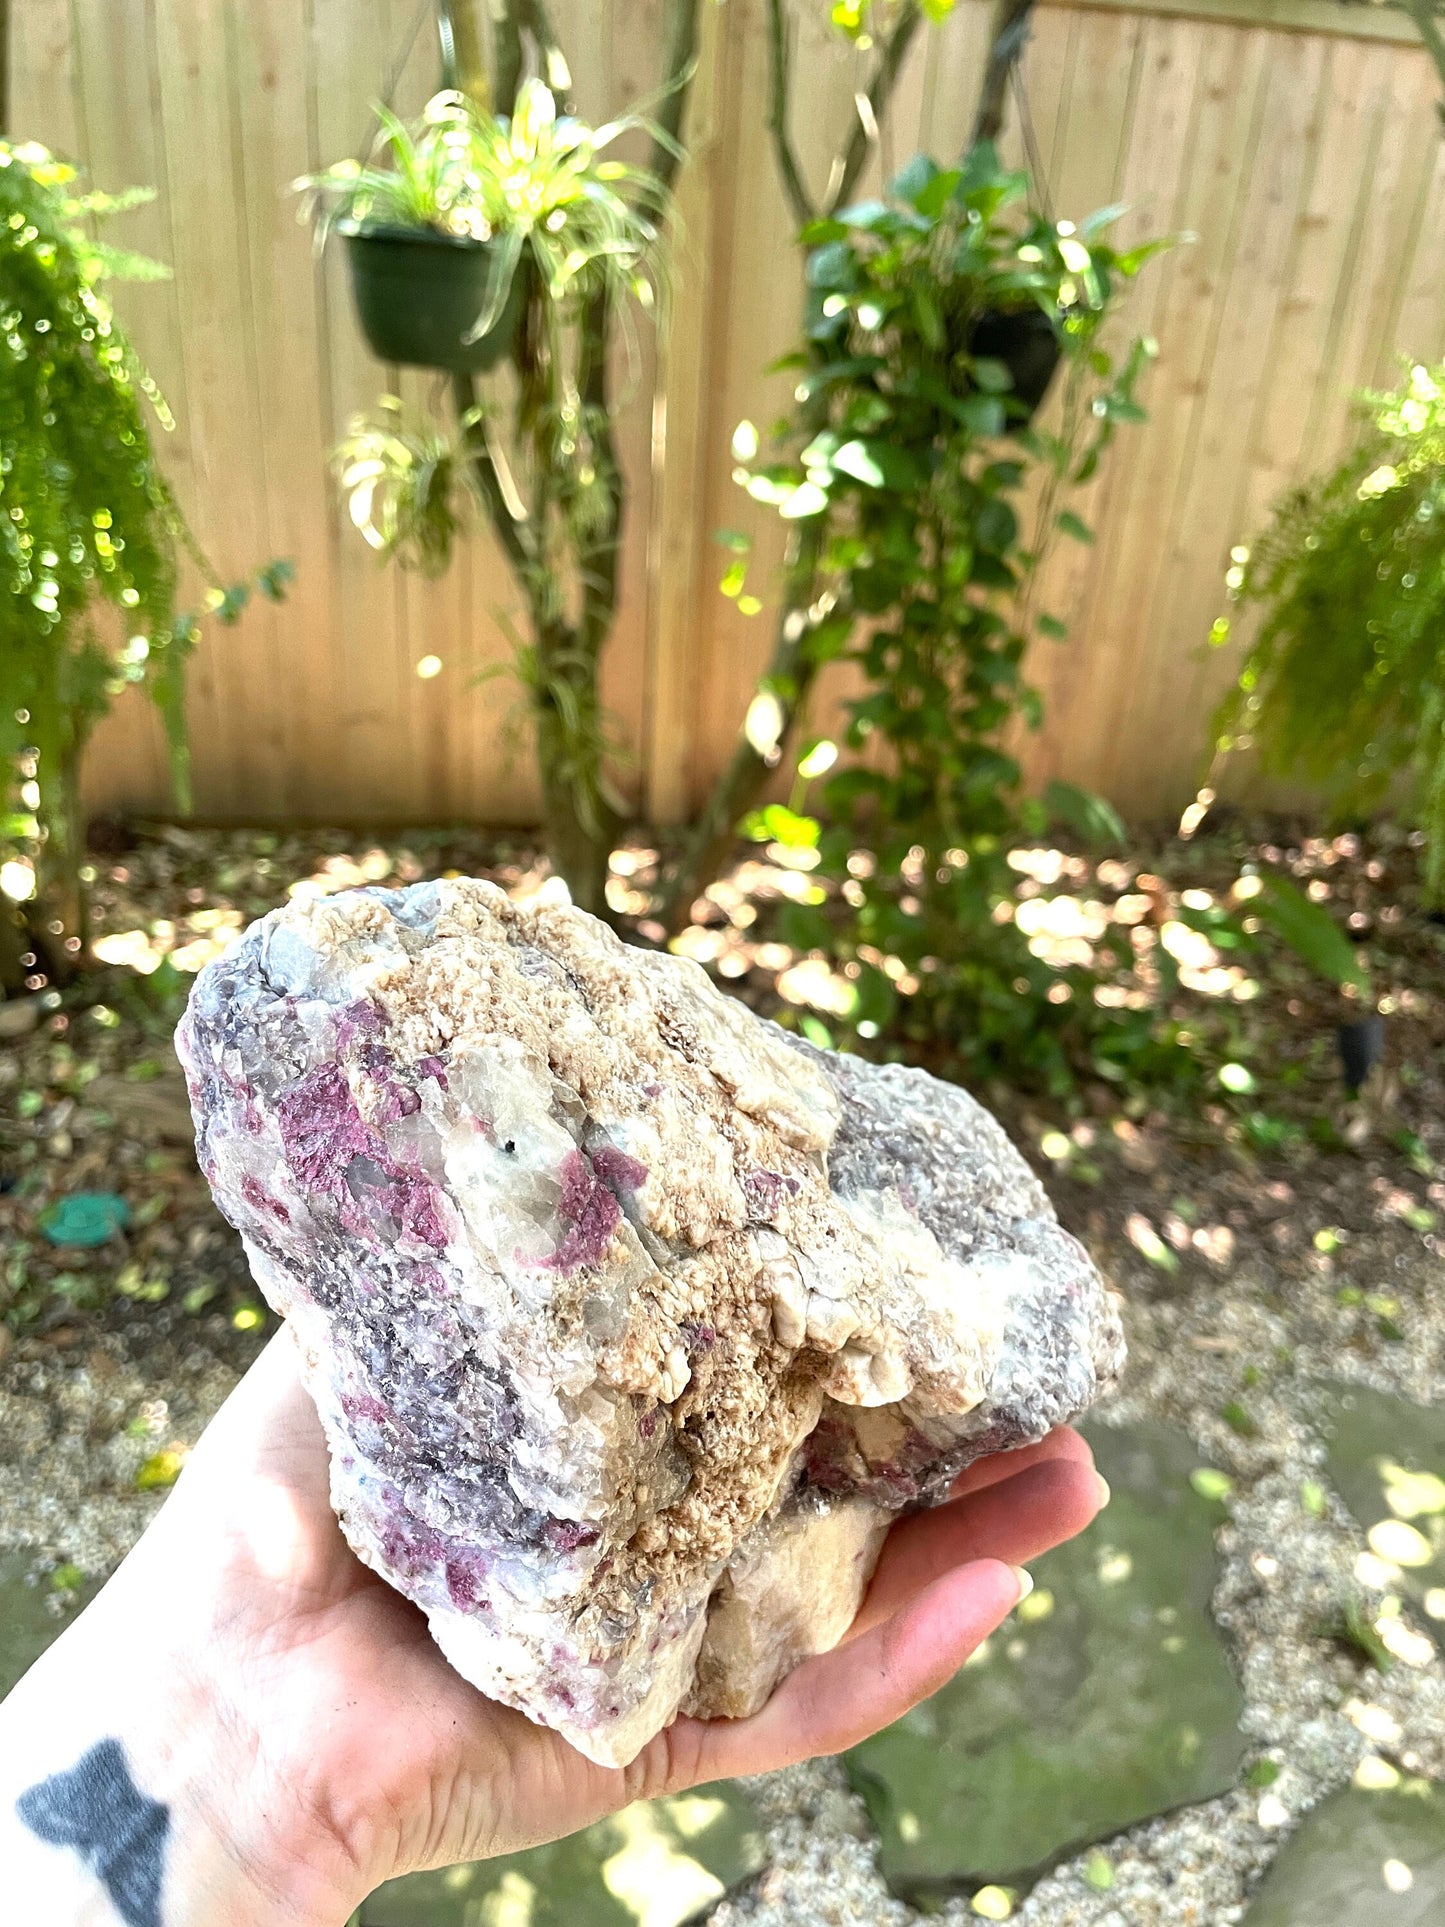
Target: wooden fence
[{"x": 1297, "y": 140}]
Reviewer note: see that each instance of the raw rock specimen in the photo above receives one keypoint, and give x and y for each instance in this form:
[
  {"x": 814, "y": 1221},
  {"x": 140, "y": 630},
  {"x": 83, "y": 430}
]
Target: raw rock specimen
[{"x": 631, "y": 1319}]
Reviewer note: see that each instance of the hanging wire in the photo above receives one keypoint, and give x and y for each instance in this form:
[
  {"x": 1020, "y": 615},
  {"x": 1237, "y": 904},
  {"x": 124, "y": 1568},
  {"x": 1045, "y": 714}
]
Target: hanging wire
[
  {"x": 399, "y": 66},
  {"x": 446, "y": 34},
  {"x": 1030, "y": 139}
]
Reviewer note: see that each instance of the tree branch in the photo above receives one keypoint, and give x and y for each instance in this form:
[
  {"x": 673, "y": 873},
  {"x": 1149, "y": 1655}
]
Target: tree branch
[
  {"x": 778, "y": 90},
  {"x": 1010, "y": 31},
  {"x": 885, "y": 77},
  {"x": 598, "y": 562},
  {"x": 663, "y": 161},
  {"x": 507, "y": 55},
  {"x": 515, "y": 538}
]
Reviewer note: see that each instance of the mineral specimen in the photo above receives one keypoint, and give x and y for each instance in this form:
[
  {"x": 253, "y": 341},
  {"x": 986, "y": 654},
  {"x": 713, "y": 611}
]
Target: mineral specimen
[{"x": 631, "y": 1319}]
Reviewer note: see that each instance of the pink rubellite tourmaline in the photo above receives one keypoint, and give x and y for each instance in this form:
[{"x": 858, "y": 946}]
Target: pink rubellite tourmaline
[{"x": 631, "y": 1319}]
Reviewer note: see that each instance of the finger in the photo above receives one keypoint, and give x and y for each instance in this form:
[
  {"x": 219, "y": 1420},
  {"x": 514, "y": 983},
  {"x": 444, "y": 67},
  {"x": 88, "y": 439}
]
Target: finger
[
  {"x": 1014, "y": 1520},
  {"x": 832, "y": 1702},
  {"x": 1064, "y": 1443}
]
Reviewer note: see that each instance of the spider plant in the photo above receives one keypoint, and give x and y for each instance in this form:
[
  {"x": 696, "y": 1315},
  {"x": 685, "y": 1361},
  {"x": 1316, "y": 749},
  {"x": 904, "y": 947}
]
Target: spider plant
[
  {"x": 406, "y": 485},
  {"x": 533, "y": 181}
]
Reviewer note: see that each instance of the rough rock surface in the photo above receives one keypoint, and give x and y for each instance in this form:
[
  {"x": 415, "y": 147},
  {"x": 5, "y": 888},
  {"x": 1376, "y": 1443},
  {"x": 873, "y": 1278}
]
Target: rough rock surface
[{"x": 630, "y": 1319}]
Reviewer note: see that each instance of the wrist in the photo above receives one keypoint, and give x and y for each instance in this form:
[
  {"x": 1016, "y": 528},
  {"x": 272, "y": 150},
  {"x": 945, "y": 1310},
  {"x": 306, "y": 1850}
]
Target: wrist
[{"x": 119, "y": 1722}]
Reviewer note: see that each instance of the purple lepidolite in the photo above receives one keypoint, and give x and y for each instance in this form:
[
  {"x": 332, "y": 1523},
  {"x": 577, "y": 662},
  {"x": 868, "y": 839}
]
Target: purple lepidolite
[{"x": 631, "y": 1320}]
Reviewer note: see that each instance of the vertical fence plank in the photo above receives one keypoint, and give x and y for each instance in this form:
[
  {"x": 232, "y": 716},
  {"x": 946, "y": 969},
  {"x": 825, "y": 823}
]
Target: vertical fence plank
[
  {"x": 1388, "y": 209},
  {"x": 682, "y": 578},
  {"x": 1091, "y": 588},
  {"x": 1163, "y": 747},
  {"x": 43, "y": 103},
  {"x": 245, "y": 757},
  {"x": 118, "y": 89},
  {"x": 351, "y": 56}
]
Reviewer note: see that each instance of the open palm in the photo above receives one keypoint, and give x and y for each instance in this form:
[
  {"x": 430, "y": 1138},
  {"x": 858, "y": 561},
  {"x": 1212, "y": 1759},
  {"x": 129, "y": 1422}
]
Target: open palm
[{"x": 379, "y": 1759}]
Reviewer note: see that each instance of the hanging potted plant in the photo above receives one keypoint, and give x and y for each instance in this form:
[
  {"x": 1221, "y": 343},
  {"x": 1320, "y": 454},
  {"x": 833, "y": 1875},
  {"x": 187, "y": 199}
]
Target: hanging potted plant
[
  {"x": 456, "y": 214},
  {"x": 1028, "y": 342},
  {"x": 1058, "y": 273}
]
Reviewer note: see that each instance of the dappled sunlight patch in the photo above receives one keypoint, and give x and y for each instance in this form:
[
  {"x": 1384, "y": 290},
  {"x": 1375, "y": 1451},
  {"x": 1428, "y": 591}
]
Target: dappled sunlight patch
[
  {"x": 1148, "y": 1243},
  {"x": 1049, "y": 866},
  {"x": 755, "y": 878},
  {"x": 817, "y": 984},
  {"x": 133, "y": 949},
  {"x": 342, "y": 872},
  {"x": 1062, "y": 930},
  {"x": 651, "y": 1873}
]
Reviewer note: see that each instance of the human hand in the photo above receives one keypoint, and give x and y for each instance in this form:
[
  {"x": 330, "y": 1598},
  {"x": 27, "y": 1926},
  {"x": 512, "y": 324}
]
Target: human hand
[{"x": 329, "y": 1746}]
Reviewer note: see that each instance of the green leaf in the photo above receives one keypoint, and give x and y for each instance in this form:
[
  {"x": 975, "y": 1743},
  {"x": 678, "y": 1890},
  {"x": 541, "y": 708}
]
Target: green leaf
[
  {"x": 160, "y": 1470},
  {"x": 983, "y": 415},
  {"x": 878, "y": 465},
  {"x": 877, "y": 998},
  {"x": 776, "y": 823},
  {"x": 1210, "y": 1483},
  {"x": 1071, "y": 524},
  {"x": 1309, "y": 930},
  {"x": 914, "y": 178},
  {"x": 805, "y": 500},
  {"x": 232, "y": 601},
  {"x": 1088, "y": 816},
  {"x": 745, "y": 441},
  {"x": 1098, "y": 1872},
  {"x": 869, "y": 216},
  {"x": 274, "y": 580},
  {"x": 1051, "y": 626},
  {"x": 1101, "y": 218},
  {"x": 996, "y": 525},
  {"x": 932, "y": 200},
  {"x": 993, "y": 377}
]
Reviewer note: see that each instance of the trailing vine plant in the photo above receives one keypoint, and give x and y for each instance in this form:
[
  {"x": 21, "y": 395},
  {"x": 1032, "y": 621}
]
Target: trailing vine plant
[
  {"x": 503, "y": 155},
  {"x": 903, "y": 468},
  {"x": 91, "y": 539}
]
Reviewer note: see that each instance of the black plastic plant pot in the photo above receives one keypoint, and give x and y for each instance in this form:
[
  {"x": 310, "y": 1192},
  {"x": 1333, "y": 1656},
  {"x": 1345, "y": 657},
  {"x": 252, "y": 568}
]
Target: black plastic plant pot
[
  {"x": 419, "y": 295},
  {"x": 1026, "y": 341},
  {"x": 1361, "y": 1046}
]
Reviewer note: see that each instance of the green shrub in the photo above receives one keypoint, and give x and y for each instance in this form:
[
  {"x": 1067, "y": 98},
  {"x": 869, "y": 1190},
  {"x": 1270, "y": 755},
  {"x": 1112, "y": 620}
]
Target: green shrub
[
  {"x": 86, "y": 519},
  {"x": 1344, "y": 682},
  {"x": 904, "y": 466}
]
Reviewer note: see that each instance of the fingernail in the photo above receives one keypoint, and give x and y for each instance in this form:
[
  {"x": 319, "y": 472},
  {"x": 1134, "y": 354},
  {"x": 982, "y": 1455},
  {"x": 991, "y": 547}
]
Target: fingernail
[
  {"x": 1026, "y": 1583},
  {"x": 1104, "y": 1493}
]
